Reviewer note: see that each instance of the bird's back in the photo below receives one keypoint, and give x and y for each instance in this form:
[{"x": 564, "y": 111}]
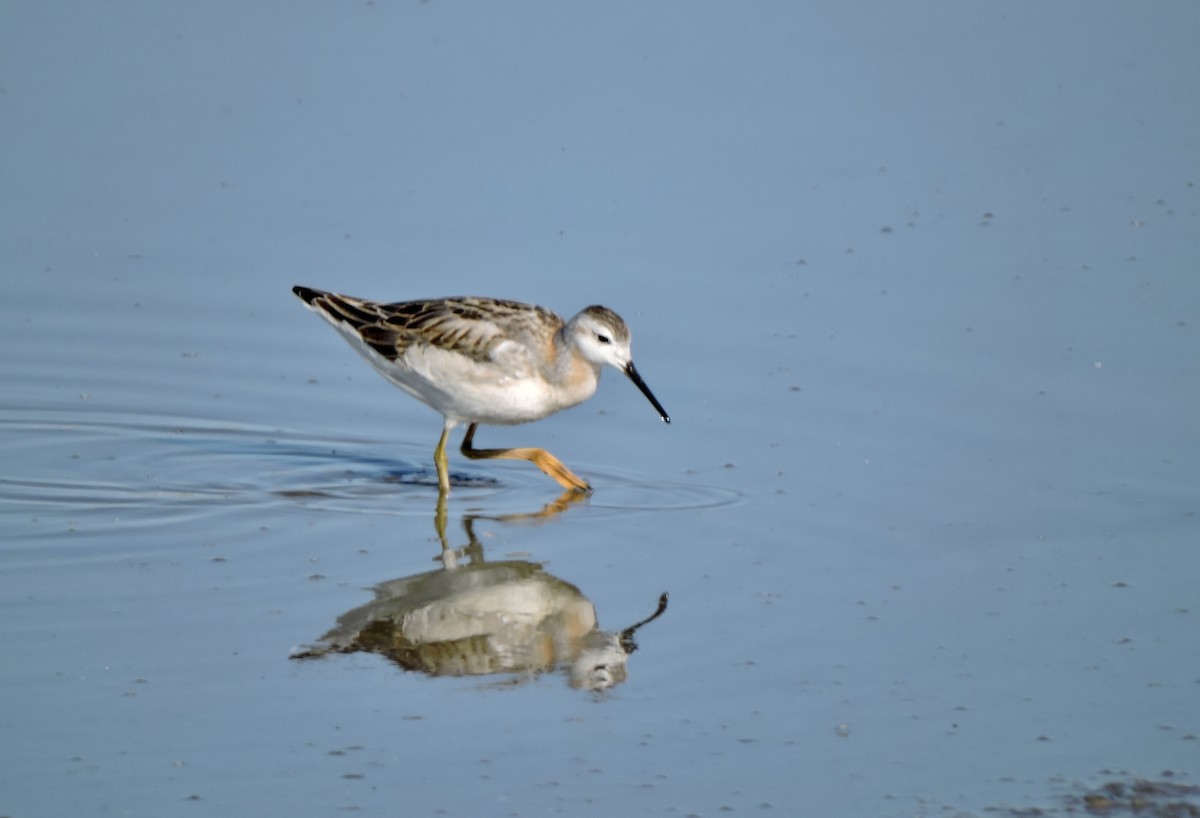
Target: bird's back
[{"x": 470, "y": 326}]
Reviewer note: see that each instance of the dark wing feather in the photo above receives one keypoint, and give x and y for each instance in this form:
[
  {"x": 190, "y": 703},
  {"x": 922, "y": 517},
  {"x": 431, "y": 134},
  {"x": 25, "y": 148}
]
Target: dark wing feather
[{"x": 472, "y": 327}]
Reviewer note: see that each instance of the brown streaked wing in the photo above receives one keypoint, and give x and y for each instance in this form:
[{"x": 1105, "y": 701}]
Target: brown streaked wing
[{"x": 470, "y": 326}]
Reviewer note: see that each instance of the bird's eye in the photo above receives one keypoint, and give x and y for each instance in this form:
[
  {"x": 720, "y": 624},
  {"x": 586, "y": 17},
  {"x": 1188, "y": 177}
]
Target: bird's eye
[{"x": 604, "y": 339}]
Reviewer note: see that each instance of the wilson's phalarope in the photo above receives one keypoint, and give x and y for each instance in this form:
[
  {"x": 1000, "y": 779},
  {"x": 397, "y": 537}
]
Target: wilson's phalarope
[{"x": 485, "y": 360}]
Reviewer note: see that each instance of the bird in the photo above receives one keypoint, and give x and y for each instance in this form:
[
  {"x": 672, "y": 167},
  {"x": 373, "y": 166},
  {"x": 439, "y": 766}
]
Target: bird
[{"x": 480, "y": 360}]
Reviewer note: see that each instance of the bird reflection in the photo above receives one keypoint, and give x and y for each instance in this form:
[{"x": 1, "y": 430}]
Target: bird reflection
[
  {"x": 471, "y": 617},
  {"x": 565, "y": 500}
]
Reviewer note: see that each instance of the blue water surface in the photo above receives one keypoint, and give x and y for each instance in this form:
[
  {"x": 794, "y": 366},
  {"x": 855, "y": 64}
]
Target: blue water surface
[{"x": 916, "y": 283}]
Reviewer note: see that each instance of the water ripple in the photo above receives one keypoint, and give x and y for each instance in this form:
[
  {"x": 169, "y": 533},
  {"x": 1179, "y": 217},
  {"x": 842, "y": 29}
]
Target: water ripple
[{"x": 79, "y": 462}]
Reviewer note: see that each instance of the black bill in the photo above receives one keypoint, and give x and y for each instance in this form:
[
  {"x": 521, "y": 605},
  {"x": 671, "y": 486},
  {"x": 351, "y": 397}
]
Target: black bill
[{"x": 637, "y": 379}]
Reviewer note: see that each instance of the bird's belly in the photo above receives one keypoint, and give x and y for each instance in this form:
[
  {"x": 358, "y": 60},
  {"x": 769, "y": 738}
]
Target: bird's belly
[
  {"x": 500, "y": 403},
  {"x": 472, "y": 392}
]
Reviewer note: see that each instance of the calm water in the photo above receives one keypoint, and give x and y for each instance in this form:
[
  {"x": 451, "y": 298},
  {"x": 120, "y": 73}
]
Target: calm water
[{"x": 917, "y": 286}]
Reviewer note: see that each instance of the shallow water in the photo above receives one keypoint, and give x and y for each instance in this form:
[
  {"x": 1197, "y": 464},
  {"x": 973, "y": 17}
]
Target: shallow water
[{"x": 919, "y": 294}]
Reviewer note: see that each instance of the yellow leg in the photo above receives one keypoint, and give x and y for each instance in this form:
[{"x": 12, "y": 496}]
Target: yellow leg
[
  {"x": 439, "y": 522},
  {"x": 439, "y": 460},
  {"x": 541, "y": 458}
]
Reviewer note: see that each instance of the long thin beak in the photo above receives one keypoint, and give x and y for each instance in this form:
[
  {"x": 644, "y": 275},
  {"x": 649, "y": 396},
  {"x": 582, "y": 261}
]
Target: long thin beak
[
  {"x": 637, "y": 379},
  {"x": 626, "y": 636}
]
